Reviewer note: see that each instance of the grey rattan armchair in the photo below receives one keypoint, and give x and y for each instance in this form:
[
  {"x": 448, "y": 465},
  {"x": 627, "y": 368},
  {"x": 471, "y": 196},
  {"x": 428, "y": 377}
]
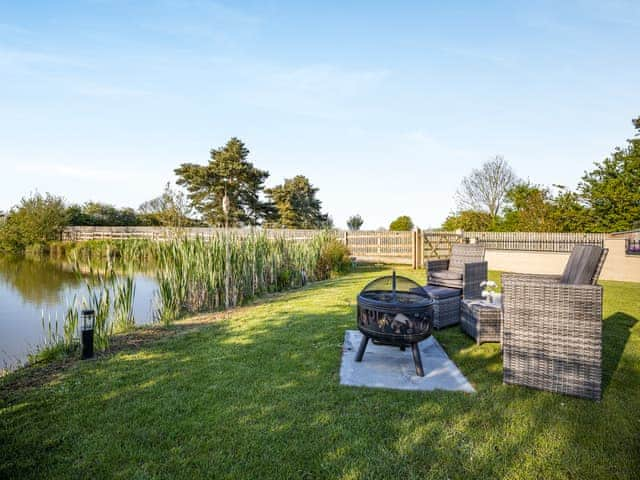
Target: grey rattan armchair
[
  {"x": 465, "y": 269},
  {"x": 552, "y": 330}
]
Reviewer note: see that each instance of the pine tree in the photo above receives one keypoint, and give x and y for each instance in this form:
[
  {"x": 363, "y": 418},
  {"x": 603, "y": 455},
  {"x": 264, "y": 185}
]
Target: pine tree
[{"x": 227, "y": 173}]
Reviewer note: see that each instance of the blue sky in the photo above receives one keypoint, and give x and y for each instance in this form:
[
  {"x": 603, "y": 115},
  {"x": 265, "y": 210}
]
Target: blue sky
[{"x": 383, "y": 105}]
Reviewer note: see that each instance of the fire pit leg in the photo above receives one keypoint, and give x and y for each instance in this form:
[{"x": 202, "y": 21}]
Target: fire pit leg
[
  {"x": 363, "y": 346},
  {"x": 417, "y": 360}
]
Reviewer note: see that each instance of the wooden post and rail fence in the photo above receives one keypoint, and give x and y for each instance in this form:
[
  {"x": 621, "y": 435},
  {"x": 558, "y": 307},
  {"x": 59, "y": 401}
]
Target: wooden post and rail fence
[
  {"x": 413, "y": 248},
  {"x": 526, "y": 252}
]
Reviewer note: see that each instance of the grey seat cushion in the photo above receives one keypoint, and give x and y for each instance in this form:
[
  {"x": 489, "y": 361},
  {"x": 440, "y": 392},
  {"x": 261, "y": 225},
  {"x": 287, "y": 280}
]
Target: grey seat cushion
[
  {"x": 582, "y": 265},
  {"x": 445, "y": 275},
  {"x": 438, "y": 293},
  {"x": 445, "y": 278}
]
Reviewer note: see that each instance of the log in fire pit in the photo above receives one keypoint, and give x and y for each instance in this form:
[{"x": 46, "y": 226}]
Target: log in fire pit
[{"x": 395, "y": 311}]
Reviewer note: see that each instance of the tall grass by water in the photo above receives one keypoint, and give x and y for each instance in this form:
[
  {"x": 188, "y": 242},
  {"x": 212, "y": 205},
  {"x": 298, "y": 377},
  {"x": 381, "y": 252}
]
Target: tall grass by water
[
  {"x": 61, "y": 338},
  {"x": 124, "y": 292},
  {"x": 99, "y": 295},
  {"x": 226, "y": 270},
  {"x": 193, "y": 275},
  {"x": 58, "y": 339}
]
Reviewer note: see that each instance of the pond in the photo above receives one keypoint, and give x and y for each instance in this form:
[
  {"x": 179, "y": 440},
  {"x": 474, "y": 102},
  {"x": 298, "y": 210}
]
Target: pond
[{"x": 30, "y": 289}]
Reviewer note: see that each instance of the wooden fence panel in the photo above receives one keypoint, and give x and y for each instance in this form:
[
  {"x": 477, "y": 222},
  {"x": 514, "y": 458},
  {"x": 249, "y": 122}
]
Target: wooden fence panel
[
  {"x": 378, "y": 243},
  {"x": 534, "y": 241},
  {"x": 164, "y": 233},
  {"x": 405, "y": 247}
]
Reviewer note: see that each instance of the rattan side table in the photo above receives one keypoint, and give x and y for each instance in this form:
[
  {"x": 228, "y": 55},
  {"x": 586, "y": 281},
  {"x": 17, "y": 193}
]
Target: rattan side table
[{"x": 481, "y": 320}]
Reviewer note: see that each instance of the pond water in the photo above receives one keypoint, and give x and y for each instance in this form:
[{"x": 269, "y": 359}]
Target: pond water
[{"x": 30, "y": 288}]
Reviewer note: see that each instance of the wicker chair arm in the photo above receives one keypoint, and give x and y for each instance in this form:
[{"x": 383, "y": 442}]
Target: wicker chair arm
[
  {"x": 473, "y": 274},
  {"x": 551, "y": 300},
  {"x": 437, "y": 265},
  {"x": 530, "y": 277}
]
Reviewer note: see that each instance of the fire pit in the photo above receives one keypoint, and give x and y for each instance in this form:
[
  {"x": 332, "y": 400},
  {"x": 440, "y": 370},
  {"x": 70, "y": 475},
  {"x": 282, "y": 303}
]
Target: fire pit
[{"x": 393, "y": 310}]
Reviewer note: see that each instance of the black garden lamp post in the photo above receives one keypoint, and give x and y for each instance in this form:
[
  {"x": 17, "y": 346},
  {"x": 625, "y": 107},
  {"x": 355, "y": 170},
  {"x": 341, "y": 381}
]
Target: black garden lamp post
[{"x": 88, "y": 318}]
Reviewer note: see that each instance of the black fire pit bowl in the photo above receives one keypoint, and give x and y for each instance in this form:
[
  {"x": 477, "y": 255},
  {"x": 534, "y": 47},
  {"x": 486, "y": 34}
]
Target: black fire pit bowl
[{"x": 395, "y": 311}]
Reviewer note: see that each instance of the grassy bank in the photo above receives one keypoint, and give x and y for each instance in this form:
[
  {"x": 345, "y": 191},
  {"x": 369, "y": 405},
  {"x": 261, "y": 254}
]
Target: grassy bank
[{"x": 255, "y": 394}]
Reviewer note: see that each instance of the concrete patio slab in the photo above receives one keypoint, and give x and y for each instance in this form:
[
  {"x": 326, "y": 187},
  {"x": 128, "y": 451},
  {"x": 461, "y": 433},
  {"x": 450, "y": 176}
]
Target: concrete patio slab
[{"x": 389, "y": 367}]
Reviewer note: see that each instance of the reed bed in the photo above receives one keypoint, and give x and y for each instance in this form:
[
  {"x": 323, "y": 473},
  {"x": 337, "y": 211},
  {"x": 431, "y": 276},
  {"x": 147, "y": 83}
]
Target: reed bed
[
  {"x": 195, "y": 275},
  {"x": 138, "y": 252},
  {"x": 108, "y": 294}
]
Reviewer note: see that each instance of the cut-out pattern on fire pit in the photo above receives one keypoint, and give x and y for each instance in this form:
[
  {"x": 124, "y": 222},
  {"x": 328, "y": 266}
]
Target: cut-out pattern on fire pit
[
  {"x": 396, "y": 325},
  {"x": 394, "y": 310}
]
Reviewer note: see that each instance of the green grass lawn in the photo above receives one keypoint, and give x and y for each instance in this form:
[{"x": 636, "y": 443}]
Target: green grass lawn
[{"x": 257, "y": 395}]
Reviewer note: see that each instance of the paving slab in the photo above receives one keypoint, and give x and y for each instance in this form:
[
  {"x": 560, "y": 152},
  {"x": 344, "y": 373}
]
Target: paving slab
[{"x": 389, "y": 367}]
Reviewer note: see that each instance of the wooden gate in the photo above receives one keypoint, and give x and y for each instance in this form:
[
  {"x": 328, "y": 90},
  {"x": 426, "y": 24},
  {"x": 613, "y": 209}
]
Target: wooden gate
[{"x": 438, "y": 244}]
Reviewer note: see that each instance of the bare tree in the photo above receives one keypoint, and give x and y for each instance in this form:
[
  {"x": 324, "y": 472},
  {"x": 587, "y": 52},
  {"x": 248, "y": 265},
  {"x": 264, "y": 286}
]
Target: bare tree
[
  {"x": 172, "y": 208},
  {"x": 485, "y": 188}
]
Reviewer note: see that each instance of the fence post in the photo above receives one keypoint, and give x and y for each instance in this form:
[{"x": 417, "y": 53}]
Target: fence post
[
  {"x": 417, "y": 248},
  {"x": 414, "y": 249}
]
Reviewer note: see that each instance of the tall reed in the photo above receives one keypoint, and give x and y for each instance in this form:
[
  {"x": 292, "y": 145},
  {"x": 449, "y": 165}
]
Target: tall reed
[
  {"x": 192, "y": 274},
  {"x": 70, "y": 326},
  {"x": 99, "y": 299},
  {"x": 124, "y": 291},
  {"x": 56, "y": 343}
]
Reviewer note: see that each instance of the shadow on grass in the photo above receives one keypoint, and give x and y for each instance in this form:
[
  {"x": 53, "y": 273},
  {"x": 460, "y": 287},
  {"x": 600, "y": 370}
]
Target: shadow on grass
[{"x": 616, "y": 331}]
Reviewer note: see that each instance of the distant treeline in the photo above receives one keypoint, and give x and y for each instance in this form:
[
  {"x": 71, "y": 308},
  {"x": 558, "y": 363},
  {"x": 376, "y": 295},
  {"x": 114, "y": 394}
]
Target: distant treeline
[
  {"x": 228, "y": 190},
  {"x": 105, "y": 215},
  {"x": 607, "y": 199}
]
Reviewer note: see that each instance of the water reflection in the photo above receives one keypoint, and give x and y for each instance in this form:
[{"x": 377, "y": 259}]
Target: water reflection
[
  {"x": 29, "y": 288},
  {"x": 38, "y": 282}
]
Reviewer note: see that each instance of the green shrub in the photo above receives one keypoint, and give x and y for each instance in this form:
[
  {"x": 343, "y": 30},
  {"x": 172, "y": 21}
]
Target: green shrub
[
  {"x": 334, "y": 259},
  {"x": 401, "y": 224},
  {"x": 36, "y": 220}
]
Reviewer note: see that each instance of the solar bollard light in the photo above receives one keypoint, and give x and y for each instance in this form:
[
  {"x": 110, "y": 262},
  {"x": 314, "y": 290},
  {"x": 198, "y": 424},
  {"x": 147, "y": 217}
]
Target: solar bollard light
[{"x": 88, "y": 318}]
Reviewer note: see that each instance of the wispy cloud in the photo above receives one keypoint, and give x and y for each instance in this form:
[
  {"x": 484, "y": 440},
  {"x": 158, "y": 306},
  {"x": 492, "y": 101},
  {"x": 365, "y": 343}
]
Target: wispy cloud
[
  {"x": 197, "y": 19},
  {"x": 10, "y": 57},
  {"x": 106, "y": 91},
  {"x": 320, "y": 91},
  {"x": 617, "y": 12},
  {"x": 428, "y": 145},
  {"x": 78, "y": 172},
  {"x": 327, "y": 79},
  {"x": 13, "y": 29},
  {"x": 575, "y": 18},
  {"x": 484, "y": 56},
  {"x": 214, "y": 9}
]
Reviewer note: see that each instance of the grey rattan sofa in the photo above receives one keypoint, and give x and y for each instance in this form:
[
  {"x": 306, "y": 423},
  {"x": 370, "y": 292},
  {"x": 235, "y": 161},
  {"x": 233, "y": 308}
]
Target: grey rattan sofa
[
  {"x": 465, "y": 269},
  {"x": 552, "y": 327}
]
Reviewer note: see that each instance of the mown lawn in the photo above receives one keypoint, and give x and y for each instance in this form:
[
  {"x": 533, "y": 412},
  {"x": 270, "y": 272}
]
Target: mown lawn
[{"x": 256, "y": 395}]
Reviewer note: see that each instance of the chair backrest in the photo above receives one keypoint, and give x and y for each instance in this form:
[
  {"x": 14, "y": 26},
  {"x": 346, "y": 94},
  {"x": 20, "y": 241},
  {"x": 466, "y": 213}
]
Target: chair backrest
[
  {"x": 584, "y": 265},
  {"x": 462, "y": 253}
]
